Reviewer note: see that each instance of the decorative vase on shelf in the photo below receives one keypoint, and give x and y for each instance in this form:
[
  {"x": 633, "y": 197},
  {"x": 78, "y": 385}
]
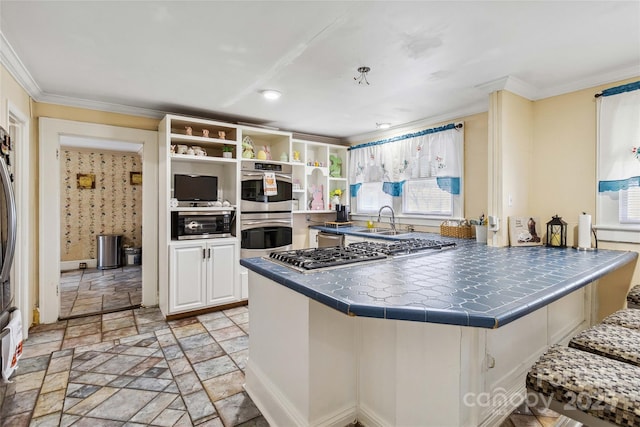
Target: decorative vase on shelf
[{"x": 335, "y": 201}]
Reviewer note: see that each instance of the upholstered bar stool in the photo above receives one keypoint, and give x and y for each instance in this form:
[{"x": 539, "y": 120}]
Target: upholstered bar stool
[
  {"x": 627, "y": 317},
  {"x": 586, "y": 387},
  {"x": 633, "y": 298},
  {"x": 609, "y": 340}
]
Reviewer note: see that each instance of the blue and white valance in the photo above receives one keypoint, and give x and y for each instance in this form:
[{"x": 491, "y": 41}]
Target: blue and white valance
[
  {"x": 619, "y": 138},
  {"x": 430, "y": 153}
]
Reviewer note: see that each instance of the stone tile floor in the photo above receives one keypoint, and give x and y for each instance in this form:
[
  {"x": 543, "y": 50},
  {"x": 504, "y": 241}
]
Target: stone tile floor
[
  {"x": 525, "y": 416},
  {"x": 93, "y": 291},
  {"x": 133, "y": 368}
]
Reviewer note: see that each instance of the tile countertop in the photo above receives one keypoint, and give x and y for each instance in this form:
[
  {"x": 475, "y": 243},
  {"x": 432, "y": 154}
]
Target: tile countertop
[{"x": 471, "y": 285}]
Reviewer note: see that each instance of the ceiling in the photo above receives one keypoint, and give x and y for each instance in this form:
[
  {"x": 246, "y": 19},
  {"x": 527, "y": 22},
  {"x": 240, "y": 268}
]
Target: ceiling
[{"x": 429, "y": 60}]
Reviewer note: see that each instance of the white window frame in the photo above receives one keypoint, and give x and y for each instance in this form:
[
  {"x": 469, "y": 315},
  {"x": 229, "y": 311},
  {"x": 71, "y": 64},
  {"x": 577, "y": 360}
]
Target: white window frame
[
  {"x": 371, "y": 198},
  {"x": 433, "y": 185},
  {"x": 611, "y": 224}
]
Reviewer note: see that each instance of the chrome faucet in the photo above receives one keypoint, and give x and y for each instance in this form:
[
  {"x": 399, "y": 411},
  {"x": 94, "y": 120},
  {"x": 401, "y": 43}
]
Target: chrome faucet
[{"x": 392, "y": 220}]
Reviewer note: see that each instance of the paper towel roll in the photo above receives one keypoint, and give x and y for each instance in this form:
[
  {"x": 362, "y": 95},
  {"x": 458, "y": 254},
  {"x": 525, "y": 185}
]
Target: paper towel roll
[{"x": 584, "y": 231}]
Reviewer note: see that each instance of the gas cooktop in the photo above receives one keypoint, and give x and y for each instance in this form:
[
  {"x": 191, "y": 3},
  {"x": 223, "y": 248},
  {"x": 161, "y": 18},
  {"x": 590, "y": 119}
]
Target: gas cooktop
[
  {"x": 403, "y": 247},
  {"x": 315, "y": 259}
]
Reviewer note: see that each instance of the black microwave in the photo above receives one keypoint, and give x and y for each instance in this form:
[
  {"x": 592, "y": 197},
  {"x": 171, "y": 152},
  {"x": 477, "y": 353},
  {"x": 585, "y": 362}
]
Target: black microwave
[{"x": 201, "y": 225}]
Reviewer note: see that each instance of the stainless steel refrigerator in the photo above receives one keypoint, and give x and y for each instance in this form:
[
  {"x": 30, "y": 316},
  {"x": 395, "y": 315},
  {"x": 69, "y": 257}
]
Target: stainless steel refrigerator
[{"x": 7, "y": 232}]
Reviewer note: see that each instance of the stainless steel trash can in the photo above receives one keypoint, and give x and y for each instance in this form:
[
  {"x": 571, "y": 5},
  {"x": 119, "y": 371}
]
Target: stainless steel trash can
[{"x": 109, "y": 251}]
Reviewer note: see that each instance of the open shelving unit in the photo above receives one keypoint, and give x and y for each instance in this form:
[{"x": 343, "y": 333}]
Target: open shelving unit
[{"x": 312, "y": 163}]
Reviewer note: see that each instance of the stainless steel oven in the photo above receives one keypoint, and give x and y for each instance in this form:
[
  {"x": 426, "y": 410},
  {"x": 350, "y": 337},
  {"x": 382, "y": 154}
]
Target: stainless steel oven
[
  {"x": 252, "y": 197},
  {"x": 266, "y": 232},
  {"x": 266, "y": 221}
]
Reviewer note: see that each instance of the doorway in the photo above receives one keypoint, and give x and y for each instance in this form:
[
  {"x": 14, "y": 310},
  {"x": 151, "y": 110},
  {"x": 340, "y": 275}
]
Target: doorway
[
  {"x": 53, "y": 134},
  {"x": 105, "y": 207}
]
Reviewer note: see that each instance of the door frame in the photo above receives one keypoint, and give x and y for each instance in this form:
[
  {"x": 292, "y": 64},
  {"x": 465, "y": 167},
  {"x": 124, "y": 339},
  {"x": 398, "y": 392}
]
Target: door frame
[
  {"x": 49, "y": 206},
  {"x": 22, "y": 189}
]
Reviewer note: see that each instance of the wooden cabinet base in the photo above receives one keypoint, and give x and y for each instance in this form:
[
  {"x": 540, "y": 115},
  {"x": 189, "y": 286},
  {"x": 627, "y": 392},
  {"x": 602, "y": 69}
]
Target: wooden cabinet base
[{"x": 206, "y": 310}]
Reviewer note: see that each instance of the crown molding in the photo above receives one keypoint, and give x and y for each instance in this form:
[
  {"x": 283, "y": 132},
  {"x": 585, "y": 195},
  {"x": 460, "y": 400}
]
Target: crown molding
[
  {"x": 590, "y": 82},
  {"x": 16, "y": 68},
  {"x": 457, "y": 115},
  {"x": 512, "y": 84},
  {"x": 107, "y": 107}
]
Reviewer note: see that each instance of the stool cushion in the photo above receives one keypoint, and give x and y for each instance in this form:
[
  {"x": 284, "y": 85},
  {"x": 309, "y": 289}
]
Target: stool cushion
[
  {"x": 613, "y": 341},
  {"x": 634, "y": 295},
  {"x": 603, "y": 388},
  {"x": 627, "y": 317}
]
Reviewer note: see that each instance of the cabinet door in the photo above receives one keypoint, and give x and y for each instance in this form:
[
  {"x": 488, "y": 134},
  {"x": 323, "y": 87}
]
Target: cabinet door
[
  {"x": 221, "y": 280},
  {"x": 352, "y": 239},
  {"x": 187, "y": 278},
  {"x": 313, "y": 238}
]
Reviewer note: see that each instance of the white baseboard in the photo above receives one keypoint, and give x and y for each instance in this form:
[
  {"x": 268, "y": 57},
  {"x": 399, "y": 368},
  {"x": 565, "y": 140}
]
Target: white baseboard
[
  {"x": 369, "y": 418},
  {"x": 279, "y": 411},
  {"x": 75, "y": 264},
  {"x": 274, "y": 406}
]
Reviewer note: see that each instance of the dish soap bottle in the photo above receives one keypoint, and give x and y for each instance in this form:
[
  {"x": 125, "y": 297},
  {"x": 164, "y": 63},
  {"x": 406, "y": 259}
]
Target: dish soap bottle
[{"x": 370, "y": 223}]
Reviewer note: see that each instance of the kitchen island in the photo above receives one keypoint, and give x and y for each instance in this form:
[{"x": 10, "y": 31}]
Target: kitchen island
[{"x": 437, "y": 339}]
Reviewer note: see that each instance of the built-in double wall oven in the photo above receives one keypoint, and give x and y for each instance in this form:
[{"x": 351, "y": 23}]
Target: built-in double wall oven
[{"x": 266, "y": 219}]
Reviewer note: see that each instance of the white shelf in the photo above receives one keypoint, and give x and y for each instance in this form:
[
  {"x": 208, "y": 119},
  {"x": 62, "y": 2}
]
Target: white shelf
[
  {"x": 192, "y": 158},
  {"x": 203, "y": 209},
  {"x": 177, "y": 137}
]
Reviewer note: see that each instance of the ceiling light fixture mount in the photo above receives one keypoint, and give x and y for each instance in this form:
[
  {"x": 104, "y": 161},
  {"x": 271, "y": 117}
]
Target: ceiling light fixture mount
[
  {"x": 362, "y": 78},
  {"x": 383, "y": 125},
  {"x": 270, "y": 94}
]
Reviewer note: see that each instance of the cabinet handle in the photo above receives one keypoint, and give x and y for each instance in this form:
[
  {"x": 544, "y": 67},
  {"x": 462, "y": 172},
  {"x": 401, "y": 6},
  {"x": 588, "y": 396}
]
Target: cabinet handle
[
  {"x": 491, "y": 361},
  {"x": 209, "y": 253},
  {"x": 204, "y": 253}
]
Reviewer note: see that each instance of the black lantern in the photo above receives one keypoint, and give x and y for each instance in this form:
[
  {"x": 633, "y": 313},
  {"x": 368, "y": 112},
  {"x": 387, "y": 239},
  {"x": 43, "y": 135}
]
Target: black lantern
[{"x": 557, "y": 232}]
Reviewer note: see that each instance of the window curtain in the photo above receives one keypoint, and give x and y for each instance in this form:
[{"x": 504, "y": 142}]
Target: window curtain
[
  {"x": 618, "y": 136},
  {"x": 618, "y": 159},
  {"x": 436, "y": 152}
]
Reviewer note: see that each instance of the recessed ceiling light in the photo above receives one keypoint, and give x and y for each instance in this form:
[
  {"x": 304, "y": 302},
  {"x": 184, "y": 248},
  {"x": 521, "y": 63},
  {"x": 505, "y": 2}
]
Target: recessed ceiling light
[
  {"x": 383, "y": 125},
  {"x": 271, "y": 94}
]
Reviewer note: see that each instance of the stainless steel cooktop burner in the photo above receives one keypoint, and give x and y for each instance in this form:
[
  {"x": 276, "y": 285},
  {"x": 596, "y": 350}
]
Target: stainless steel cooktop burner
[{"x": 314, "y": 259}]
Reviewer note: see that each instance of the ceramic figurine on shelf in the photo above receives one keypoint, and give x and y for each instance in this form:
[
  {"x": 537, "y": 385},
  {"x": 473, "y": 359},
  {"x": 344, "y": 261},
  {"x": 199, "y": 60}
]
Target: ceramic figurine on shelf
[
  {"x": 317, "y": 203},
  {"x": 284, "y": 157},
  {"x": 296, "y": 156},
  {"x": 335, "y": 169},
  {"x": 267, "y": 151},
  {"x": 222, "y": 134},
  {"x": 247, "y": 148},
  {"x": 205, "y": 133},
  {"x": 189, "y": 130}
]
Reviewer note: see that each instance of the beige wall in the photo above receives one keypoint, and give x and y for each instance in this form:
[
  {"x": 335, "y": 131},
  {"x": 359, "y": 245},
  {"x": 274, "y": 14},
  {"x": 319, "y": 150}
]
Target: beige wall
[
  {"x": 565, "y": 157},
  {"x": 509, "y": 158},
  {"x": 93, "y": 116},
  {"x": 476, "y": 170}
]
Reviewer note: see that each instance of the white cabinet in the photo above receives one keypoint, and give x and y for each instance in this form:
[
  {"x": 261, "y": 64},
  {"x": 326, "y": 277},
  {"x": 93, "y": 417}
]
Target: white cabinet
[
  {"x": 348, "y": 239},
  {"x": 202, "y": 274},
  {"x": 190, "y": 146},
  {"x": 318, "y": 170},
  {"x": 313, "y": 238}
]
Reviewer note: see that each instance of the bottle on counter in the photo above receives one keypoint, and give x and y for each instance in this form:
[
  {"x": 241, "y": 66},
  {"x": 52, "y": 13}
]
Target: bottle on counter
[{"x": 370, "y": 223}]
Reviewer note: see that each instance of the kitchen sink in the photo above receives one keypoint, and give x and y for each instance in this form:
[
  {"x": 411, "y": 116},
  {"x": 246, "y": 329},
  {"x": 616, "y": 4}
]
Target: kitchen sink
[
  {"x": 372, "y": 230},
  {"x": 392, "y": 232}
]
